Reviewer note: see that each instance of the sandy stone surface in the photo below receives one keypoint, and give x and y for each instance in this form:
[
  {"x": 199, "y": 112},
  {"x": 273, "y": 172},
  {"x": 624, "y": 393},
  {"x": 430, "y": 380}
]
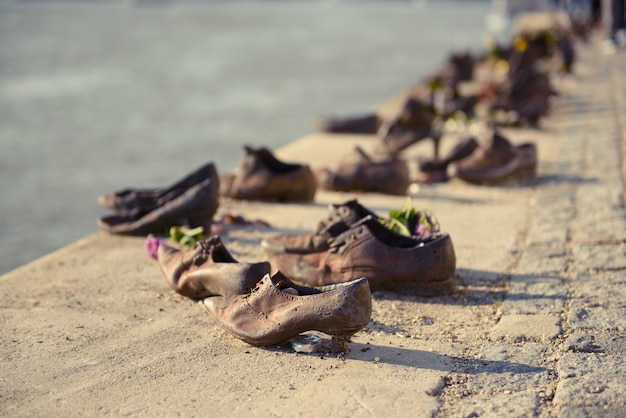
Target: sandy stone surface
[{"x": 93, "y": 329}]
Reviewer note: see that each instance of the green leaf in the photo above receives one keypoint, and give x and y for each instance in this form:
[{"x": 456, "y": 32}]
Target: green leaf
[
  {"x": 410, "y": 222},
  {"x": 185, "y": 238}
]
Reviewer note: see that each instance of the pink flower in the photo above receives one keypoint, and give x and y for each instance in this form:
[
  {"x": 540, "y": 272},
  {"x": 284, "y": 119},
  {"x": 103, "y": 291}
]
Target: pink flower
[{"x": 152, "y": 245}]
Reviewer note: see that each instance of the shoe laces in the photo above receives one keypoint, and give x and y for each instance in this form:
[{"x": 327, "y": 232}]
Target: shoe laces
[
  {"x": 256, "y": 288},
  {"x": 341, "y": 240},
  {"x": 204, "y": 254}
]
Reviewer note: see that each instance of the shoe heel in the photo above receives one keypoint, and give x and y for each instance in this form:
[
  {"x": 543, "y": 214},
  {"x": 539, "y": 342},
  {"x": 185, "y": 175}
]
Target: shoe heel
[
  {"x": 526, "y": 176},
  {"x": 436, "y": 138},
  {"x": 430, "y": 289},
  {"x": 340, "y": 339}
]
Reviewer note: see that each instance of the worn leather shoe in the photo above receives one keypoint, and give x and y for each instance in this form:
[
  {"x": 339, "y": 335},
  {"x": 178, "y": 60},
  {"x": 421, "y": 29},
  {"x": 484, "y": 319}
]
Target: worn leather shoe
[
  {"x": 497, "y": 161},
  {"x": 362, "y": 124},
  {"x": 133, "y": 203},
  {"x": 458, "y": 67},
  {"x": 526, "y": 97},
  {"x": 414, "y": 123},
  {"x": 278, "y": 309},
  {"x": 339, "y": 220},
  {"x": 434, "y": 171},
  {"x": 194, "y": 207},
  {"x": 208, "y": 269},
  {"x": 359, "y": 172},
  {"x": 261, "y": 176},
  {"x": 387, "y": 259}
]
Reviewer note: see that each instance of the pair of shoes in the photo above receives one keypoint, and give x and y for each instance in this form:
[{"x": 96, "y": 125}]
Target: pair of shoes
[
  {"x": 192, "y": 201},
  {"x": 260, "y": 308},
  {"x": 435, "y": 171},
  {"x": 359, "y": 172},
  {"x": 262, "y": 176},
  {"x": 367, "y": 248},
  {"x": 362, "y": 124},
  {"x": 414, "y": 123},
  {"x": 497, "y": 161},
  {"x": 133, "y": 202}
]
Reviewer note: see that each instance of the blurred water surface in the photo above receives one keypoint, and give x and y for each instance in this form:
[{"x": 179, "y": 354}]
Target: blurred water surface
[{"x": 97, "y": 96}]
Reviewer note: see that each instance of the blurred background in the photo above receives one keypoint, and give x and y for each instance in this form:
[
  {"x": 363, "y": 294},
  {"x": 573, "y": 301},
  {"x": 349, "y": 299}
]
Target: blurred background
[{"x": 100, "y": 95}]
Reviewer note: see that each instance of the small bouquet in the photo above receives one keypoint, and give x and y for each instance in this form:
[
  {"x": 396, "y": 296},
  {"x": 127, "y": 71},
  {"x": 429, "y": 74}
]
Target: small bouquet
[{"x": 421, "y": 225}]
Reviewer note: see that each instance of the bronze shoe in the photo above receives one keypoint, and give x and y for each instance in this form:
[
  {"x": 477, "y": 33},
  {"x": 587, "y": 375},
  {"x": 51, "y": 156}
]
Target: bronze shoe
[
  {"x": 387, "y": 259},
  {"x": 526, "y": 97},
  {"x": 498, "y": 161},
  {"x": 458, "y": 67},
  {"x": 362, "y": 124},
  {"x": 278, "y": 309},
  {"x": 261, "y": 176},
  {"x": 194, "y": 207},
  {"x": 208, "y": 269},
  {"x": 435, "y": 171},
  {"x": 414, "y": 123},
  {"x": 133, "y": 203},
  {"x": 358, "y": 172},
  {"x": 339, "y": 220}
]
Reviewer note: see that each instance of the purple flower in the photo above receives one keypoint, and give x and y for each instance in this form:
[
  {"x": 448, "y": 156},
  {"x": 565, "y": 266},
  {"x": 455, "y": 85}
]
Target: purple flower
[{"x": 152, "y": 245}]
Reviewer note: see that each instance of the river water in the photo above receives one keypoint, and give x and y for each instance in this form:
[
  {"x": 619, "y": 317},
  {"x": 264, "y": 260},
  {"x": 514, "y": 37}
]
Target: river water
[{"x": 96, "y": 96}]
